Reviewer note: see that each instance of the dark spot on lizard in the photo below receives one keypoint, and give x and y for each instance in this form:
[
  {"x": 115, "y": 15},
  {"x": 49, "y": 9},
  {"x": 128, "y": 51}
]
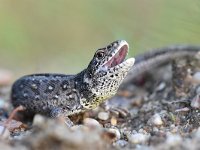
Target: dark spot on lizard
[{"x": 41, "y": 93}]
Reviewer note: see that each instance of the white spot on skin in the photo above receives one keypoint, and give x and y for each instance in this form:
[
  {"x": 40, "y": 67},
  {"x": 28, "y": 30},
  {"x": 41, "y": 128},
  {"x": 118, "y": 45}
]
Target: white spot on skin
[
  {"x": 64, "y": 86},
  {"x": 37, "y": 97},
  {"x": 25, "y": 94},
  {"x": 50, "y": 88},
  {"x": 56, "y": 96},
  {"x": 86, "y": 80},
  {"x": 115, "y": 44},
  {"x": 34, "y": 86},
  {"x": 70, "y": 96}
]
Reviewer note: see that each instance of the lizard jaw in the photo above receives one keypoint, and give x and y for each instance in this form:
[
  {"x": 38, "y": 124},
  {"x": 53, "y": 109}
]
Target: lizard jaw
[
  {"x": 105, "y": 90},
  {"x": 109, "y": 76},
  {"x": 118, "y": 56}
]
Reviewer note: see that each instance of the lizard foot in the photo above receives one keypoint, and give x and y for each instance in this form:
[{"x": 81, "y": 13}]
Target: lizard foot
[
  {"x": 116, "y": 111},
  {"x": 68, "y": 122},
  {"x": 59, "y": 113},
  {"x": 120, "y": 112}
]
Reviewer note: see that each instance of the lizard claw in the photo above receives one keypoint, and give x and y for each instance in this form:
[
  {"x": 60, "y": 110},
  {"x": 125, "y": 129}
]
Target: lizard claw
[
  {"x": 120, "y": 112},
  {"x": 58, "y": 113},
  {"x": 68, "y": 122}
]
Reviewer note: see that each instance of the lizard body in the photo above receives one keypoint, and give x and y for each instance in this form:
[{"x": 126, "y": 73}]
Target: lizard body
[{"x": 56, "y": 94}]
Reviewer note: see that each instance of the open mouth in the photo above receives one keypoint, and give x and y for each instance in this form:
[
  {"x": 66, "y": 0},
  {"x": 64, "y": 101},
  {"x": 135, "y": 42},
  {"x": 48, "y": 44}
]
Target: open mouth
[{"x": 118, "y": 57}]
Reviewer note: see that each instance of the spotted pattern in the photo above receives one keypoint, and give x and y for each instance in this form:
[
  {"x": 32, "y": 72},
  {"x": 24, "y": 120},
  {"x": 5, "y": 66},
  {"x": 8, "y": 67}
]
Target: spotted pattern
[{"x": 60, "y": 94}]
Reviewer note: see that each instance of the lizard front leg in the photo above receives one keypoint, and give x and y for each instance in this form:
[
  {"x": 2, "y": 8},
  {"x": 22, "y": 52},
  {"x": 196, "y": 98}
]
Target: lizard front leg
[{"x": 60, "y": 113}]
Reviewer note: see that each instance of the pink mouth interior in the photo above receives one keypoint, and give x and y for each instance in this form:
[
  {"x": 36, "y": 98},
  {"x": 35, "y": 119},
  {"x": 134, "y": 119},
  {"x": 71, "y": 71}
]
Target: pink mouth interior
[{"x": 118, "y": 57}]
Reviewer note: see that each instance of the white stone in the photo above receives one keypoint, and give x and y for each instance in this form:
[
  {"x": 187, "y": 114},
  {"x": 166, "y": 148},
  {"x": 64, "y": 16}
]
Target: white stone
[
  {"x": 103, "y": 116},
  {"x": 138, "y": 138},
  {"x": 91, "y": 122},
  {"x": 197, "y": 76},
  {"x": 120, "y": 143},
  {"x": 4, "y": 132},
  {"x": 155, "y": 120},
  {"x": 116, "y": 132},
  {"x": 195, "y": 103},
  {"x": 38, "y": 120},
  {"x": 173, "y": 140},
  {"x": 161, "y": 86},
  {"x": 197, "y": 133}
]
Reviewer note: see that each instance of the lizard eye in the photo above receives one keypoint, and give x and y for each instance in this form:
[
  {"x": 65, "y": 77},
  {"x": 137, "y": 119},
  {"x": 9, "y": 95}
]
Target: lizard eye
[{"x": 100, "y": 54}]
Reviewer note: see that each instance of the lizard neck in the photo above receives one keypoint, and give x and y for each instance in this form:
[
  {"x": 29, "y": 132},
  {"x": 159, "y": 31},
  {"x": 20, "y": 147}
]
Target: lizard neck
[{"x": 83, "y": 84}]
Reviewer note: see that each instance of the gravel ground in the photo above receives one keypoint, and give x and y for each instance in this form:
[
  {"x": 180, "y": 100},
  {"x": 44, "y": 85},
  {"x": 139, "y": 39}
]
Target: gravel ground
[{"x": 158, "y": 110}]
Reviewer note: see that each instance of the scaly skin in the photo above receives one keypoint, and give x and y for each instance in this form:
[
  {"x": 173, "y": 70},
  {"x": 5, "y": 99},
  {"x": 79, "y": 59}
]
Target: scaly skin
[{"x": 56, "y": 94}]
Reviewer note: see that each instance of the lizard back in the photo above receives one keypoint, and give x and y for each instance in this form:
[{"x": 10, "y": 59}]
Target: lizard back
[
  {"x": 57, "y": 94},
  {"x": 40, "y": 93}
]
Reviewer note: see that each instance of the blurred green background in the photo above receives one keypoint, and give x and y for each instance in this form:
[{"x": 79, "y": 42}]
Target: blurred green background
[{"x": 61, "y": 36}]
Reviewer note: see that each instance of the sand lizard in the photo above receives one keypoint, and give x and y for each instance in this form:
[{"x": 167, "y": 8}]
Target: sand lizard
[{"x": 56, "y": 94}]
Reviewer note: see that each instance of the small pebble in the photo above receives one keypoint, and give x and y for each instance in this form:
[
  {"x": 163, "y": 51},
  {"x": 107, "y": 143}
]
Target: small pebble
[
  {"x": 161, "y": 86},
  {"x": 2, "y": 103},
  {"x": 138, "y": 138},
  {"x": 198, "y": 89},
  {"x": 116, "y": 132},
  {"x": 134, "y": 132},
  {"x": 77, "y": 127},
  {"x": 142, "y": 131},
  {"x": 172, "y": 126},
  {"x": 91, "y": 122},
  {"x": 4, "y": 132},
  {"x": 137, "y": 101},
  {"x": 173, "y": 140},
  {"x": 103, "y": 115},
  {"x": 195, "y": 103},
  {"x": 197, "y": 133},
  {"x": 38, "y": 120},
  {"x": 197, "y": 76},
  {"x": 120, "y": 143},
  {"x": 155, "y": 129},
  {"x": 155, "y": 120},
  {"x": 134, "y": 112},
  {"x": 184, "y": 109},
  {"x": 22, "y": 135},
  {"x": 113, "y": 121}
]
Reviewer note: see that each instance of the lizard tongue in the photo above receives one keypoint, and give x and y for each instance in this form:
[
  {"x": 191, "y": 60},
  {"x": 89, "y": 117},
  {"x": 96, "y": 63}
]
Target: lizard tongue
[{"x": 118, "y": 57}]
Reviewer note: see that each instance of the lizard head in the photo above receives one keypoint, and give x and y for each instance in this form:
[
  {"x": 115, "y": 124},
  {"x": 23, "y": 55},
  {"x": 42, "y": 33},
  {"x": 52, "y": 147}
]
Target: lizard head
[{"x": 106, "y": 72}]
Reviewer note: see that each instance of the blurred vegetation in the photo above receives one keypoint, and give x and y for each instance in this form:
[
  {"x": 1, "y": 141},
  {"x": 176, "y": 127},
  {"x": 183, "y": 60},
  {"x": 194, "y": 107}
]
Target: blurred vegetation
[{"x": 61, "y": 36}]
